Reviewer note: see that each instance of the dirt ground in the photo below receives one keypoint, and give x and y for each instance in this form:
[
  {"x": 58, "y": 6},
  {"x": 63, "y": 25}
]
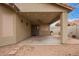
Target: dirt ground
[
  {"x": 40, "y": 50},
  {"x": 71, "y": 48}
]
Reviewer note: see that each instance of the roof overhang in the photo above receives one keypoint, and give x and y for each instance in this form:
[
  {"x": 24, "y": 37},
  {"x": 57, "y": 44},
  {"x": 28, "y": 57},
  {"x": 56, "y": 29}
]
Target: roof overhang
[
  {"x": 64, "y": 5},
  {"x": 15, "y": 8},
  {"x": 11, "y": 6}
]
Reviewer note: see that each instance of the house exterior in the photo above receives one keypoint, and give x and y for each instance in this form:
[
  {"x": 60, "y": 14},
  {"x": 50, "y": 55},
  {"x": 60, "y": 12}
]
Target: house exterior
[{"x": 22, "y": 20}]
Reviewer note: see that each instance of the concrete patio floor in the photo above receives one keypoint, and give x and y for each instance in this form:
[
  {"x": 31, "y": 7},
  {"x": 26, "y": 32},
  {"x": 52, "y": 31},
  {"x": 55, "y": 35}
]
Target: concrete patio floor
[
  {"x": 33, "y": 47},
  {"x": 48, "y": 40},
  {"x": 42, "y": 40}
]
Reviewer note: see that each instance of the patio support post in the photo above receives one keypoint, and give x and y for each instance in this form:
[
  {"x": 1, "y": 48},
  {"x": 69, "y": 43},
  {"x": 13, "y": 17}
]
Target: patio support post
[{"x": 64, "y": 34}]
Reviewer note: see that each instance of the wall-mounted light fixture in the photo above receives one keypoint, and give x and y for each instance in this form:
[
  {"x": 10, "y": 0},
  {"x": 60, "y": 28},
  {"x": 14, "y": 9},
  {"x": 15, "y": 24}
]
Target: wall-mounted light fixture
[
  {"x": 26, "y": 24},
  {"x": 21, "y": 20}
]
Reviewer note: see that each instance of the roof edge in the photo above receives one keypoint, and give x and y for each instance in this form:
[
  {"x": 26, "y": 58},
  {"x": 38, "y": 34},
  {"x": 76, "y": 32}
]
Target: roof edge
[
  {"x": 11, "y": 6},
  {"x": 15, "y": 8},
  {"x": 65, "y": 6}
]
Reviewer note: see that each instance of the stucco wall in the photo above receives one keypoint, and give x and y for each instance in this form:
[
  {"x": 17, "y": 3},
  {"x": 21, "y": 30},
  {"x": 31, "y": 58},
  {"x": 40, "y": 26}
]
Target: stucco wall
[
  {"x": 77, "y": 31},
  {"x": 44, "y": 29},
  {"x": 55, "y": 29},
  {"x": 0, "y": 24},
  {"x": 7, "y": 32},
  {"x": 23, "y": 29},
  {"x": 12, "y": 29}
]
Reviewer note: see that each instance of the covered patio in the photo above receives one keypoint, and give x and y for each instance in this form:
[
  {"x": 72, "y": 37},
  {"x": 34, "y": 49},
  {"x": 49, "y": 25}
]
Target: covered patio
[
  {"x": 41, "y": 34},
  {"x": 41, "y": 16}
]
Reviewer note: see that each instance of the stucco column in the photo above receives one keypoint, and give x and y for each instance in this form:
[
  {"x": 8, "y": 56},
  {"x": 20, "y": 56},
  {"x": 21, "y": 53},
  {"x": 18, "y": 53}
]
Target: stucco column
[{"x": 64, "y": 34}]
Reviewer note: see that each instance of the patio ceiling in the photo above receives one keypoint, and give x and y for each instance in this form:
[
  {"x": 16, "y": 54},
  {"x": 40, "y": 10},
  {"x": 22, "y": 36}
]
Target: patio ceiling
[{"x": 41, "y": 17}]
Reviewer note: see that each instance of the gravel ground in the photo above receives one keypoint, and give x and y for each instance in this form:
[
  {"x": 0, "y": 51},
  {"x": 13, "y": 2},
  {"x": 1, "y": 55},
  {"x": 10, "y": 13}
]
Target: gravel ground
[
  {"x": 40, "y": 50},
  {"x": 24, "y": 49}
]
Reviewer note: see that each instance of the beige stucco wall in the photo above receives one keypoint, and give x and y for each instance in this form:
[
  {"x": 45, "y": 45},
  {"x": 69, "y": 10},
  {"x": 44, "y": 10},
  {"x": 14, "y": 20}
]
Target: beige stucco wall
[
  {"x": 23, "y": 29},
  {"x": 77, "y": 31},
  {"x": 39, "y": 7},
  {"x": 7, "y": 32},
  {"x": 0, "y": 25},
  {"x": 11, "y": 28},
  {"x": 55, "y": 29},
  {"x": 44, "y": 29}
]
